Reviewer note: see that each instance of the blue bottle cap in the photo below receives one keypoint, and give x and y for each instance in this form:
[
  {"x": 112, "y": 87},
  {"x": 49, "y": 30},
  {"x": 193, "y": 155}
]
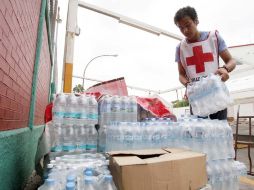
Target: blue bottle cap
[
  {"x": 71, "y": 178},
  {"x": 88, "y": 173},
  {"x": 108, "y": 177},
  {"x": 70, "y": 186},
  {"x": 50, "y": 181}
]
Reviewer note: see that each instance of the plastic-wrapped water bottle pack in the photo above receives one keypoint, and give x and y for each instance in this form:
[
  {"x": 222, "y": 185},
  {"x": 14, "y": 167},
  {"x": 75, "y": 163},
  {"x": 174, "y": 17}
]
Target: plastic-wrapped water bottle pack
[
  {"x": 117, "y": 108},
  {"x": 208, "y": 96},
  {"x": 74, "y": 119},
  {"x": 212, "y": 137},
  {"x": 78, "y": 172},
  {"x": 72, "y": 109},
  {"x": 224, "y": 174}
]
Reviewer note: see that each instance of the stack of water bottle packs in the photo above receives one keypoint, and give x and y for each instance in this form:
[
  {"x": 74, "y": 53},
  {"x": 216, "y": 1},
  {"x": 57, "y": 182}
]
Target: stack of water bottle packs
[
  {"x": 208, "y": 96},
  {"x": 117, "y": 108},
  {"x": 74, "y": 119},
  {"x": 224, "y": 174},
  {"x": 212, "y": 137},
  {"x": 78, "y": 172}
]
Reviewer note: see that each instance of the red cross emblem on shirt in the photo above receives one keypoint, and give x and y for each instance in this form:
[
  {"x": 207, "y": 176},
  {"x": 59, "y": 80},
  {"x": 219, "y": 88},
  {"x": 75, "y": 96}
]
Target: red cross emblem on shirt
[{"x": 199, "y": 58}]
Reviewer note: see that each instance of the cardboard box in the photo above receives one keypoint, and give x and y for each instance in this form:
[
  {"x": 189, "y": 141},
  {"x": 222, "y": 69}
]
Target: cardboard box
[{"x": 158, "y": 169}]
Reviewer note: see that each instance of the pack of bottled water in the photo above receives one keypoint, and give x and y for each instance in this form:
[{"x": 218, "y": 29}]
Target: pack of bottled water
[
  {"x": 133, "y": 135},
  {"x": 74, "y": 138},
  {"x": 117, "y": 108},
  {"x": 70, "y": 109},
  {"x": 78, "y": 172},
  {"x": 224, "y": 174},
  {"x": 212, "y": 137},
  {"x": 74, "y": 119},
  {"x": 208, "y": 96}
]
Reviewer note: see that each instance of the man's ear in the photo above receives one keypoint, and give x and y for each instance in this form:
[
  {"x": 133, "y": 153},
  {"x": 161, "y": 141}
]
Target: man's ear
[{"x": 196, "y": 21}]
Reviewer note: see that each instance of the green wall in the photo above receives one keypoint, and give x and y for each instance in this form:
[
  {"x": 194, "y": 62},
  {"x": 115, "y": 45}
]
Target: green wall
[{"x": 19, "y": 154}]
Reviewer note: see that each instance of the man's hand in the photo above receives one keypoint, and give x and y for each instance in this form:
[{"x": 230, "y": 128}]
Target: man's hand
[{"x": 223, "y": 74}]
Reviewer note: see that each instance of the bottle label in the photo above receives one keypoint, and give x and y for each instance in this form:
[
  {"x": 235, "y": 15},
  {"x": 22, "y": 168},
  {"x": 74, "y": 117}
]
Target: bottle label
[
  {"x": 59, "y": 114},
  {"x": 69, "y": 148},
  {"x": 56, "y": 148},
  {"x": 83, "y": 116},
  {"x": 91, "y": 147},
  {"x": 93, "y": 116},
  {"x": 82, "y": 146}
]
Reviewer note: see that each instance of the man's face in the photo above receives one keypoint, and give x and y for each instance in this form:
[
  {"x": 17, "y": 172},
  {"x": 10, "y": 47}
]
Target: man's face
[{"x": 188, "y": 27}]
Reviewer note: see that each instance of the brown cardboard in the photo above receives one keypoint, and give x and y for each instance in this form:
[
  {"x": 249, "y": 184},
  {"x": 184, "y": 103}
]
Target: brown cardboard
[{"x": 158, "y": 169}]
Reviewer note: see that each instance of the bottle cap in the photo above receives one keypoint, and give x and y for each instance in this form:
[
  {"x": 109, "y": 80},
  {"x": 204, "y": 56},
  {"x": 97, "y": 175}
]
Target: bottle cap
[
  {"x": 50, "y": 181},
  {"x": 70, "y": 186}
]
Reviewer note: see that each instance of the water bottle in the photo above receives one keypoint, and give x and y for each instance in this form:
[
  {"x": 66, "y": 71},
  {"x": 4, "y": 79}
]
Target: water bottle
[
  {"x": 156, "y": 135},
  {"x": 70, "y": 186},
  {"x": 92, "y": 110},
  {"x": 145, "y": 135},
  {"x": 92, "y": 136},
  {"x": 115, "y": 108},
  {"x": 137, "y": 135},
  {"x": 107, "y": 117},
  {"x": 107, "y": 183},
  {"x": 69, "y": 144},
  {"x": 101, "y": 109},
  {"x": 229, "y": 140},
  {"x": 83, "y": 110},
  {"x": 90, "y": 173},
  {"x": 123, "y": 108},
  {"x": 199, "y": 135},
  {"x": 186, "y": 135},
  {"x": 50, "y": 184},
  {"x": 102, "y": 139},
  {"x": 170, "y": 135},
  {"x": 90, "y": 184},
  {"x": 47, "y": 171},
  {"x": 164, "y": 136},
  {"x": 227, "y": 183},
  {"x": 218, "y": 175},
  {"x": 110, "y": 130},
  {"x": 72, "y": 109},
  {"x": 128, "y": 136},
  {"x": 132, "y": 109},
  {"x": 71, "y": 178},
  {"x": 81, "y": 137},
  {"x": 176, "y": 134},
  {"x": 58, "y": 109},
  {"x": 118, "y": 136},
  {"x": 58, "y": 138}
]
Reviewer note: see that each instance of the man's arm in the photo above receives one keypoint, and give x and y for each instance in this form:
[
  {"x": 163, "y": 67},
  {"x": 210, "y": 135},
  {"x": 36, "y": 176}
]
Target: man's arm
[
  {"x": 229, "y": 66},
  {"x": 182, "y": 75}
]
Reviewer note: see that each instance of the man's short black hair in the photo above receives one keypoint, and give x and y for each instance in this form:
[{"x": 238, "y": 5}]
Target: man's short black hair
[{"x": 186, "y": 11}]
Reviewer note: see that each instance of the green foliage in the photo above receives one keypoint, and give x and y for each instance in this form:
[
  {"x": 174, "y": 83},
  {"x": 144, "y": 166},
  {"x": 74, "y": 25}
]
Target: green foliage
[
  {"x": 180, "y": 103},
  {"x": 78, "y": 89}
]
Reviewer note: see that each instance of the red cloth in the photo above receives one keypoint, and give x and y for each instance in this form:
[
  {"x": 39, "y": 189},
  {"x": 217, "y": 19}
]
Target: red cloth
[
  {"x": 48, "y": 113},
  {"x": 155, "y": 106},
  {"x": 111, "y": 87}
]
